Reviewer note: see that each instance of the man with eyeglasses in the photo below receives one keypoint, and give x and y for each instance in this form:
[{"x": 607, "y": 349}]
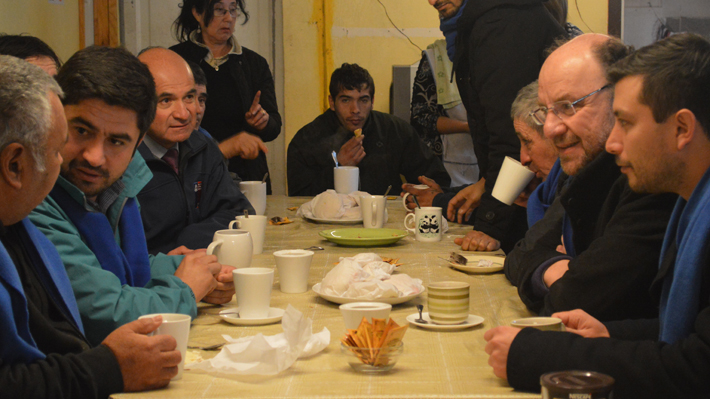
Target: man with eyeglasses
[
  {"x": 662, "y": 143},
  {"x": 604, "y": 254}
]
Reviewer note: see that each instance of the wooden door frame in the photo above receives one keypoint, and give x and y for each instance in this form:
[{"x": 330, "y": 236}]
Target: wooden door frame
[{"x": 106, "y": 23}]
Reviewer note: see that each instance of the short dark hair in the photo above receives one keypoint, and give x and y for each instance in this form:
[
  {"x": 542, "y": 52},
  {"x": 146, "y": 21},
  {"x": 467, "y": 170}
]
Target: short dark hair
[
  {"x": 351, "y": 77},
  {"x": 186, "y": 23},
  {"x": 197, "y": 73},
  {"x": 676, "y": 75},
  {"x": 26, "y": 46},
  {"x": 112, "y": 75}
]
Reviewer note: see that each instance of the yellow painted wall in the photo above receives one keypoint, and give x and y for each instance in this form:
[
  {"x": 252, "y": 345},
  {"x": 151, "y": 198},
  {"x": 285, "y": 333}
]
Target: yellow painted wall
[
  {"x": 57, "y": 25},
  {"x": 595, "y": 15}
]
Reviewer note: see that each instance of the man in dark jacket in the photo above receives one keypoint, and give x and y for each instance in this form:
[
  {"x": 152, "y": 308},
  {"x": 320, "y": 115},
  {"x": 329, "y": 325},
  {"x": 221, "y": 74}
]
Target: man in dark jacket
[
  {"x": 191, "y": 194},
  {"x": 499, "y": 49},
  {"x": 662, "y": 143},
  {"x": 43, "y": 350},
  {"x": 611, "y": 236},
  {"x": 387, "y": 148}
]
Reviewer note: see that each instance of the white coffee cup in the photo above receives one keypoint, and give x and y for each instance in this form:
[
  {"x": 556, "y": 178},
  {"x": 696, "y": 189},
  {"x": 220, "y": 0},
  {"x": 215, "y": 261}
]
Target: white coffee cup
[
  {"x": 294, "y": 266},
  {"x": 346, "y": 179},
  {"x": 448, "y": 302},
  {"x": 512, "y": 180},
  {"x": 232, "y": 247},
  {"x": 256, "y": 226},
  {"x": 427, "y": 223},
  {"x": 404, "y": 198},
  {"x": 373, "y": 209},
  {"x": 253, "y": 287},
  {"x": 177, "y": 326},
  {"x": 255, "y": 191},
  {"x": 354, "y": 312}
]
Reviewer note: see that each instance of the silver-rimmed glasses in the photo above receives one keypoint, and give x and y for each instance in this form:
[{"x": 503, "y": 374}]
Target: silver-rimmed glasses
[
  {"x": 561, "y": 109},
  {"x": 221, "y": 12}
]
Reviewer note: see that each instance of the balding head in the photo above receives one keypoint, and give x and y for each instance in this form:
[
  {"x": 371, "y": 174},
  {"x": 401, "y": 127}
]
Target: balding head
[
  {"x": 175, "y": 86},
  {"x": 573, "y": 71}
]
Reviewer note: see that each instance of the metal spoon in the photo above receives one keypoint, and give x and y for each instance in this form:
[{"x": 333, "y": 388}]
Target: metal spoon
[
  {"x": 335, "y": 158},
  {"x": 246, "y": 214},
  {"x": 420, "y": 320},
  {"x": 416, "y": 201},
  {"x": 265, "y": 176},
  {"x": 207, "y": 348},
  {"x": 388, "y": 190},
  {"x": 314, "y": 248}
]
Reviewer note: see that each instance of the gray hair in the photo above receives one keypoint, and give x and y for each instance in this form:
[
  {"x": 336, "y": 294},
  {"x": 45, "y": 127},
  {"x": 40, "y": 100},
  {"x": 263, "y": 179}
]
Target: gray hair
[
  {"x": 25, "y": 110},
  {"x": 526, "y": 102}
]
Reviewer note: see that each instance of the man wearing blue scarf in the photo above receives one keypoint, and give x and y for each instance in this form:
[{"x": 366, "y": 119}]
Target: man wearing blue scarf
[
  {"x": 661, "y": 140},
  {"x": 92, "y": 215},
  {"x": 43, "y": 350}
]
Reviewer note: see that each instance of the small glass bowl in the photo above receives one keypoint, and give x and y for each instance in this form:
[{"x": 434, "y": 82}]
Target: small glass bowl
[{"x": 372, "y": 360}]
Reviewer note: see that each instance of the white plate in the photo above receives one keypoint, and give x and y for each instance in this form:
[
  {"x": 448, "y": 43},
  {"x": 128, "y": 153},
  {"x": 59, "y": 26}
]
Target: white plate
[
  {"x": 472, "y": 321},
  {"x": 275, "y": 314},
  {"x": 333, "y": 221},
  {"x": 472, "y": 263},
  {"x": 341, "y": 300}
]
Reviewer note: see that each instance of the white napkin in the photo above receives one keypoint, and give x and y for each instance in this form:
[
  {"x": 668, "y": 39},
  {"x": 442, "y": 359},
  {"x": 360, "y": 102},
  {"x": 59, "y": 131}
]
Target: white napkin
[
  {"x": 366, "y": 276},
  {"x": 331, "y": 205},
  {"x": 268, "y": 355}
]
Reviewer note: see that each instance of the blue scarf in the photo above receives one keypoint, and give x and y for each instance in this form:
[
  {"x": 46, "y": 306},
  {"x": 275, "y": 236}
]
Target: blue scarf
[
  {"x": 129, "y": 262},
  {"x": 448, "y": 28},
  {"x": 689, "y": 228},
  {"x": 544, "y": 195}
]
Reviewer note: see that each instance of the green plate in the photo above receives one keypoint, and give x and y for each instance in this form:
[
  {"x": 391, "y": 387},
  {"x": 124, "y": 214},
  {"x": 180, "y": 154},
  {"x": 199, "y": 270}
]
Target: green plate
[{"x": 359, "y": 237}]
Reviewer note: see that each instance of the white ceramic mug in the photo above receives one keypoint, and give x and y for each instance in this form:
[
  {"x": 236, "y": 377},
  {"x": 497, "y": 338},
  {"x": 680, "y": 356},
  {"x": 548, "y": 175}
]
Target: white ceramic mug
[
  {"x": 404, "y": 198},
  {"x": 253, "y": 287},
  {"x": 373, "y": 209},
  {"x": 425, "y": 223},
  {"x": 512, "y": 180},
  {"x": 255, "y": 191},
  {"x": 232, "y": 247},
  {"x": 354, "y": 312},
  {"x": 346, "y": 179},
  {"x": 177, "y": 326},
  {"x": 448, "y": 301},
  {"x": 294, "y": 266},
  {"x": 256, "y": 226}
]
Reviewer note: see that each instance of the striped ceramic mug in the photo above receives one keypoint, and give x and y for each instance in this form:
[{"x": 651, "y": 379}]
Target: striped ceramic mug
[{"x": 448, "y": 302}]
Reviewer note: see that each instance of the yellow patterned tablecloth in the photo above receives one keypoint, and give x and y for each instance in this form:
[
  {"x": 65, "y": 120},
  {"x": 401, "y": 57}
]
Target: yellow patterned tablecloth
[{"x": 433, "y": 365}]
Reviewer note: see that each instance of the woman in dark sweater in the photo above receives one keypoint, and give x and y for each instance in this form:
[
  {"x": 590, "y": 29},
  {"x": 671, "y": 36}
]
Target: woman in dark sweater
[{"x": 241, "y": 107}]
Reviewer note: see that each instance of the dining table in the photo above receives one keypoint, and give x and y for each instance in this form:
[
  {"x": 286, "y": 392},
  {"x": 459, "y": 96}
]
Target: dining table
[{"x": 434, "y": 364}]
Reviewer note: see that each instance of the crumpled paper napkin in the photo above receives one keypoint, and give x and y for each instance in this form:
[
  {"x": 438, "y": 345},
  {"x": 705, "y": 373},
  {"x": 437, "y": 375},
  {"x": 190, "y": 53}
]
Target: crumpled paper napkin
[
  {"x": 365, "y": 276},
  {"x": 268, "y": 355},
  {"x": 330, "y": 205}
]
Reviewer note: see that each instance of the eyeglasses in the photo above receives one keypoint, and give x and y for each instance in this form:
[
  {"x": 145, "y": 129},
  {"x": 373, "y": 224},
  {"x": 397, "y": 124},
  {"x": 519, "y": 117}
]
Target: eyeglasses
[
  {"x": 561, "y": 109},
  {"x": 221, "y": 12}
]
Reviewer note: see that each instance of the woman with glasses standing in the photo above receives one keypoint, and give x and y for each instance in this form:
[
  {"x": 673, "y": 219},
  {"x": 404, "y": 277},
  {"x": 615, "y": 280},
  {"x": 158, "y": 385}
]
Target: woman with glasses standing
[{"x": 241, "y": 105}]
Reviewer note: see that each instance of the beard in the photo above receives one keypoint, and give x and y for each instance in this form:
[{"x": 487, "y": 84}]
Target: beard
[{"x": 89, "y": 189}]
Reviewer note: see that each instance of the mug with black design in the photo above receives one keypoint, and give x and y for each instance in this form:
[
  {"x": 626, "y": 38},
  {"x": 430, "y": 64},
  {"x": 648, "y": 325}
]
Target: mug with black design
[{"x": 427, "y": 223}]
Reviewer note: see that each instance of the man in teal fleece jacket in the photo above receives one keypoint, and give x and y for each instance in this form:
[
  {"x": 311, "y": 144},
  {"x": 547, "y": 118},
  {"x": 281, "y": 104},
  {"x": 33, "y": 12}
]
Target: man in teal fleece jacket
[{"x": 92, "y": 216}]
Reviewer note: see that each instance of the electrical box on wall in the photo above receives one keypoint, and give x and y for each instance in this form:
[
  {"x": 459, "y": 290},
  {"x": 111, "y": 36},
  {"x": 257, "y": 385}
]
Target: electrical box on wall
[{"x": 61, "y": 2}]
